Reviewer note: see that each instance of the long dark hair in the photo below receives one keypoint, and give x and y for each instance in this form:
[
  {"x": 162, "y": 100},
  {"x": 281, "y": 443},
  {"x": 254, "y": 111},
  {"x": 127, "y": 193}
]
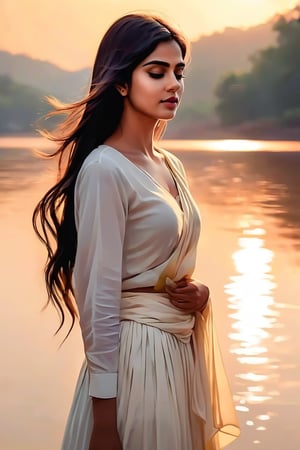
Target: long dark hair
[{"x": 88, "y": 123}]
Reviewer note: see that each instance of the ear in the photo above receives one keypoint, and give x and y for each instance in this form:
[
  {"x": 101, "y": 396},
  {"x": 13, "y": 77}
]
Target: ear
[{"x": 122, "y": 89}]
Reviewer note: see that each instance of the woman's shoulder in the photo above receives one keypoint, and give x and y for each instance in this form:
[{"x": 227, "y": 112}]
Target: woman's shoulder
[
  {"x": 103, "y": 163},
  {"x": 105, "y": 156}
]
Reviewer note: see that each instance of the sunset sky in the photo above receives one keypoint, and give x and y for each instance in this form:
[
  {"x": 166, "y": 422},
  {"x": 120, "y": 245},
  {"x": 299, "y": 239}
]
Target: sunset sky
[{"x": 67, "y": 32}]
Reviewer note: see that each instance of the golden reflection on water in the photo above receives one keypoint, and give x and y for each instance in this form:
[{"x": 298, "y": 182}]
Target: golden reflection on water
[
  {"x": 244, "y": 145},
  {"x": 263, "y": 183},
  {"x": 250, "y": 297},
  {"x": 230, "y": 145}
]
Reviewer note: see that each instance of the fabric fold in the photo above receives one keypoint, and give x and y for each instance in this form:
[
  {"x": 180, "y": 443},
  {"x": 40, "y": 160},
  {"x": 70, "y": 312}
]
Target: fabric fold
[
  {"x": 211, "y": 395},
  {"x": 171, "y": 378},
  {"x": 221, "y": 426}
]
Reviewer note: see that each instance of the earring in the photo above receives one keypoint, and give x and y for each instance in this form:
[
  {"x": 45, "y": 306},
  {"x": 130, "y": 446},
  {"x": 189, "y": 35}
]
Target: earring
[{"x": 123, "y": 92}]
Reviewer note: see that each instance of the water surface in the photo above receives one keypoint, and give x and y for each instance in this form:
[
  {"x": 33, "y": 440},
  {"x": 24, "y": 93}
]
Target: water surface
[{"x": 249, "y": 255}]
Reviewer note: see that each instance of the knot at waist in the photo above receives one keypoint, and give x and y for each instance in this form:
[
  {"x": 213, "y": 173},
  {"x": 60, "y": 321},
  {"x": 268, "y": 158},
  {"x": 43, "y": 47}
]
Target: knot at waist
[{"x": 156, "y": 310}]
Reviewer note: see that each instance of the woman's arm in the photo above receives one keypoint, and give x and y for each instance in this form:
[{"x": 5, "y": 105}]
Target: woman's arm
[
  {"x": 105, "y": 432},
  {"x": 100, "y": 206}
]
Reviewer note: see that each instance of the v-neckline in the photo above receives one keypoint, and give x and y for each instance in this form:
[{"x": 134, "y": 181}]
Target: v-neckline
[{"x": 177, "y": 199}]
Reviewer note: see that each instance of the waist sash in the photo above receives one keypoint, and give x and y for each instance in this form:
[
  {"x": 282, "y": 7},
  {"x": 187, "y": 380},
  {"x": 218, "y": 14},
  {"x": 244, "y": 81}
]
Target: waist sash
[{"x": 212, "y": 399}]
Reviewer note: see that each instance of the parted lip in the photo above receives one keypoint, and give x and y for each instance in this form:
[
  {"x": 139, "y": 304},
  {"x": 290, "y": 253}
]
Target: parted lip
[{"x": 170, "y": 100}]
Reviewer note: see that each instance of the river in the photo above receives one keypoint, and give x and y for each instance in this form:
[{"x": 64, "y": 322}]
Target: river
[{"x": 249, "y": 254}]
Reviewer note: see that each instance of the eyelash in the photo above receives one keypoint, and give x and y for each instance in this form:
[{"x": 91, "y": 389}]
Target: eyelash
[{"x": 160, "y": 75}]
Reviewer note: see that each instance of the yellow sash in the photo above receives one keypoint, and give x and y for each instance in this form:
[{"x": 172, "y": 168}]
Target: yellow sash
[{"x": 221, "y": 424}]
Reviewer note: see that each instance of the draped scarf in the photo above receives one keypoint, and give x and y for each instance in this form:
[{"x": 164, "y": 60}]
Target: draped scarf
[{"x": 212, "y": 398}]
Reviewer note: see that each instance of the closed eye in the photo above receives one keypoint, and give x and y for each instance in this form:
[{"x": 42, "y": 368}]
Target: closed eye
[
  {"x": 178, "y": 76},
  {"x": 156, "y": 75}
]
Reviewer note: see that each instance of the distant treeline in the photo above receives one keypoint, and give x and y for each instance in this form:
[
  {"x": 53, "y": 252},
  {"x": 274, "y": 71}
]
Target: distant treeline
[
  {"x": 271, "y": 89},
  {"x": 268, "y": 93},
  {"x": 20, "y": 106}
]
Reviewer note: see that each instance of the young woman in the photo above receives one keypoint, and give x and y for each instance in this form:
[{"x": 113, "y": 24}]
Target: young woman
[{"x": 125, "y": 234}]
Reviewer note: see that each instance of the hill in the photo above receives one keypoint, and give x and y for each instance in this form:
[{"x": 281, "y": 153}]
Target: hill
[
  {"x": 48, "y": 78},
  {"x": 216, "y": 54},
  {"x": 20, "y": 106},
  {"x": 212, "y": 56}
]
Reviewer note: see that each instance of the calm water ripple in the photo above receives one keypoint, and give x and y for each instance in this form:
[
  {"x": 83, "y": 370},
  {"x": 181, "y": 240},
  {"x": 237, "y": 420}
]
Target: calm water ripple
[{"x": 249, "y": 255}]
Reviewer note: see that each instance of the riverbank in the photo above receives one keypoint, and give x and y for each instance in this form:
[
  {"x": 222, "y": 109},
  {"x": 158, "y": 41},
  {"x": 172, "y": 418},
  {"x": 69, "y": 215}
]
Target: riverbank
[
  {"x": 249, "y": 255},
  {"x": 211, "y": 129},
  {"x": 258, "y": 130}
]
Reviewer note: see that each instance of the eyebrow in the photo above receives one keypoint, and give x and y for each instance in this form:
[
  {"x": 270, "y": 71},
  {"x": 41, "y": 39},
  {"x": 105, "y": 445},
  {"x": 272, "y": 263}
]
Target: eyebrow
[{"x": 163, "y": 63}]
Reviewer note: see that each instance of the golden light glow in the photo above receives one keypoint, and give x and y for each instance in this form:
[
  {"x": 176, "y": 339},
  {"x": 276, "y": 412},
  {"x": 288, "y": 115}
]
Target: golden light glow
[
  {"x": 252, "y": 304},
  {"x": 25, "y": 142},
  {"x": 250, "y": 297},
  {"x": 69, "y": 31},
  {"x": 236, "y": 145}
]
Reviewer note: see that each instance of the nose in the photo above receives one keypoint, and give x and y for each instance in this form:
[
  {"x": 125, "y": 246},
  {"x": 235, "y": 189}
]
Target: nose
[{"x": 174, "y": 84}]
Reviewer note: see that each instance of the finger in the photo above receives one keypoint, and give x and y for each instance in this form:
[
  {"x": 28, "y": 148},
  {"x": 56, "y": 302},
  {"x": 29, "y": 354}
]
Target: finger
[
  {"x": 170, "y": 283},
  {"x": 187, "y": 289},
  {"x": 180, "y": 297},
  {"x": 187, "y": 295},
  {"x": 188, "y": 304},
  {"x": 180, "y": 285},
  {"x": 170, "y": 291}
]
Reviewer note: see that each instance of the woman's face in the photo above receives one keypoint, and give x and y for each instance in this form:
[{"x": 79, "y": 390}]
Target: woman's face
[{"x": 157, "y": 85}]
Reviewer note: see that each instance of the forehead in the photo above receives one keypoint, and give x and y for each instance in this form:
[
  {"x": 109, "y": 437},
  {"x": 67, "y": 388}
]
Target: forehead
[{"x": 169, "y": 52}]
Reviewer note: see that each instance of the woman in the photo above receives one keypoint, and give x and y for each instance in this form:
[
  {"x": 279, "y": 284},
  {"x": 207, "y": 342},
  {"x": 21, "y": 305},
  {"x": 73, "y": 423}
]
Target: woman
[{"x": 126, "y": 230}]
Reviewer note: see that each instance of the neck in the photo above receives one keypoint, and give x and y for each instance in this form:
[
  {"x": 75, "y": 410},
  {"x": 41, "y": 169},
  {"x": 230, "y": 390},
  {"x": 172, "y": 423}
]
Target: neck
[{"x": 134, "y": 133}]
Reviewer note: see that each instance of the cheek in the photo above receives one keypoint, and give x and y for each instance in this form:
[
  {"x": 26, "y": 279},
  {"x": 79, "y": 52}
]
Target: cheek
[
  {"x": 148, "y": 87},
  {"x": 145, "y": 92}
]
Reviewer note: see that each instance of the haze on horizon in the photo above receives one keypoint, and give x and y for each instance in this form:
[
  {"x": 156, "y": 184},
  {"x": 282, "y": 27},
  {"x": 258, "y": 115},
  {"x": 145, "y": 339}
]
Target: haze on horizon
[{"x": 68, "y": 33}]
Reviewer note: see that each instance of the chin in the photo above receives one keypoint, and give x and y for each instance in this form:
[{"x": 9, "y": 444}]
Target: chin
[{"x": 168, "y": 116}]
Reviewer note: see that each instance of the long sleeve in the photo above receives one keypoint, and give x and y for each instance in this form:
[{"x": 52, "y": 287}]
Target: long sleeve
[{"x": 100, "y": 213}]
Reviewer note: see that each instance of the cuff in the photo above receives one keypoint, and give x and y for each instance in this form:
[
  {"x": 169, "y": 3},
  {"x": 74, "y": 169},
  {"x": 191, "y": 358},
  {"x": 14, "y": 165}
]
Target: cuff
[{"x": 103, "y": 385}]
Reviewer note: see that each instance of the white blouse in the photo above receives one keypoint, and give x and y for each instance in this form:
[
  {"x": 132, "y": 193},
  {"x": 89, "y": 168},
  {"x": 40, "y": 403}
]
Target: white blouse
[{"x": 127, "y": 225}]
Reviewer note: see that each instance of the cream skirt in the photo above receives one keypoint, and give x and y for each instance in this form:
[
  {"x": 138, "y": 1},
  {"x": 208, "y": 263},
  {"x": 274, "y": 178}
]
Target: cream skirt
[{"x": 154, "y": 395}]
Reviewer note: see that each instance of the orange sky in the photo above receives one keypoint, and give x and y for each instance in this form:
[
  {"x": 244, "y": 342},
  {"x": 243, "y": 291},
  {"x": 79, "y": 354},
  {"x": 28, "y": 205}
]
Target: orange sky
[{"x": 67, "y": 32}]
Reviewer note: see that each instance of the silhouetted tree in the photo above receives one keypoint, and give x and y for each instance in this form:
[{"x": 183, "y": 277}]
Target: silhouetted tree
[{"x": 272, "y": 87}]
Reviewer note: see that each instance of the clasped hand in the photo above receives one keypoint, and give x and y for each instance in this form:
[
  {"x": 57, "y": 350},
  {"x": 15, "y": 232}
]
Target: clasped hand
[{"x": 187, "y": 294}]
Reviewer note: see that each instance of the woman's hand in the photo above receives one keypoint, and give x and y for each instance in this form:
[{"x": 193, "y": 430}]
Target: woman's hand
[
  {"x": 105, "y": 433},
  {"x": 187, "y": 294}
]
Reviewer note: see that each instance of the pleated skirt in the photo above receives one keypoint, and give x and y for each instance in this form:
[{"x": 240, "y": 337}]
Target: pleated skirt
[{"x": 154, "y": 395}]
